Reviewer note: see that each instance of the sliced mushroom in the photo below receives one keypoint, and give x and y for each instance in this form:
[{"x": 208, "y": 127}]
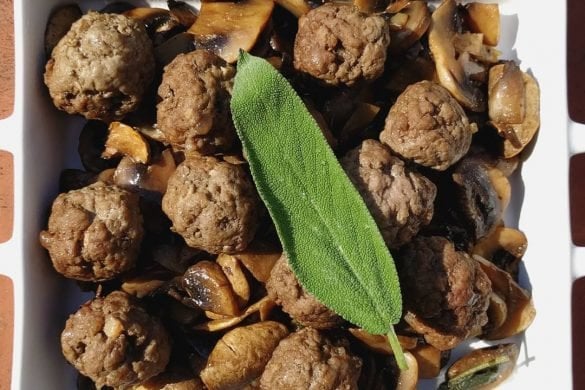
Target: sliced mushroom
[
  {"x": 396, "y": 6},
  {"x": 240, "y": 355},
  {"x": 379, "y": 343},
  {"x": 164, "y": 53},
  {"x": 497, "y": 312},
  {"x": 209, "y": 289},
  {"x": 418, "y": 20},
  {"x": 369, "y": 6},
  {"x": 263, "y": 307},
  {"x": 171, "y": 380},
  {"x": 225, "y": 27},
  {"x": 449, "y": 71},
  {"x": 484, "y": 19},
  {"x": 59, "y": 23},
  {"x": 514, "y": 106},
  {"x": 91, "y": 145},
  {"x": 182, "y": 12},
  {"x": 520, "y": 308},
  {"x": 159, "y": 172},
  {"x": 233, "y": 271},
  {"x": 408, "y": 379},
  {"x": 124, "y": 140},
  {"x": 362, "y": 116},
  {"x": 296, "y": 7},
  {"x": 479, "y": 201},
  {"x": 429, "y": 361},
  {"x": 259, "y": 260},
  {"x": 504, "y": 247},
  {"x": 144, "y": 284},
  {"x": 472, "y": 43},
  {"x": 482, "y": 368}
]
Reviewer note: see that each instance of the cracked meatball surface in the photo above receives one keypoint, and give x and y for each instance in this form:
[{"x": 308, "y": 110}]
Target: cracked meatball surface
[
  {"x": 284, "y": 288},
  {"x": 427, "y": 126},
  {"x": 115, "y": 342},
  {"x": 102, "y": 67},
  {"x": 340, "y": 45},
  {"x": 212, "y": 204},
  {"x": 94, "y": 233},
  {"x": 194, "y": 112},
  {"x": 446, "y": 293},
  {"x": 308, "y": 360},
  {"x": 400, "y": 200}
]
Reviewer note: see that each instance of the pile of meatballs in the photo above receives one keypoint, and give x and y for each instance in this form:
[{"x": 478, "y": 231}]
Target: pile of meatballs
[{"x": 422, "y": 161}]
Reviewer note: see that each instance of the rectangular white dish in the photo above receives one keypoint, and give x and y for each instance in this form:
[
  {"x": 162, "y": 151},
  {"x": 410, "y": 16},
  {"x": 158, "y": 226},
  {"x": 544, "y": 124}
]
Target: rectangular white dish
[{"x": 37, "y": 134}]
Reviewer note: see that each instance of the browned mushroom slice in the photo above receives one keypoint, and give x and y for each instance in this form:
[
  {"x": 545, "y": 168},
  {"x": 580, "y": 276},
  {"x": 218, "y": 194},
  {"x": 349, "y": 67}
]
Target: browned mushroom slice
[
  {"x": 147, "y": 15},
  {"x": 408, "y": 379},
  {"x": 225, "y": 27},
  {"x": 263, "y": 308},
  {"x": 472, "y": 43},
  {"x": 59, "y": 23},
  {"x": 504, "y": 247},
  {"x": 418, "y": 20},
  {"x": 91, "y": 145},
  {"x": 240, "y": 355},
  {"x": 182, "y": 12},
  {"x": 482, "y": 368},
  {"x": 145, "y": 284},
  {"x": 164, "y": 53},
  {"x": 369, "y": 6},
  {"x": 396, "y": 6},
  {"x": 296, "y": 7},
  {"x": 233, "y": 271},
  {"x": 497, "y": 312},
  {"x": 158, "y": 173},
  {"x": 479, "y": 200},
  {"x": 124, "y": 140},
  {"x": 259, "y": 260},
  {"x": 379, "y": 343},
  {"x": 449, "y": 71},
  {"x": 172, "y": 381},
  {"x": 363, "y": 115},
  {"x": 429, "y": 361},
  {"x": 484, "y": 19},
  {"x": 520, "y": 308},
  {"x": 209, "y": 289},
  {"x": 514, "y": 106}
]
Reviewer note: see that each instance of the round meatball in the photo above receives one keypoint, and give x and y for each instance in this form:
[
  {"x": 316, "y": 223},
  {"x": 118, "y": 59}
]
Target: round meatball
[
  {"x": 101, "y": 67},
  {"x": 340, "y": 45},
  {"x": 212, "y": 204},
  {"x": 308, "y": 360},
  {"x": 115, "y": 342},
  {"x": 94, "y": 233},
  {"x": 284, "y": 288},
  {"x": 427, "y": 125},
  {"x": 400, "y": 200},
  {"x": 194, "y": 110},
  {"x": 446, "y": 293}
]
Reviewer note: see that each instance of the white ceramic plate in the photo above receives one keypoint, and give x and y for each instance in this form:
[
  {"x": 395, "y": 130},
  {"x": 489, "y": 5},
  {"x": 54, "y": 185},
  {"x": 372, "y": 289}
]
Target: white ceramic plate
[{"x": 38, "y": 135}]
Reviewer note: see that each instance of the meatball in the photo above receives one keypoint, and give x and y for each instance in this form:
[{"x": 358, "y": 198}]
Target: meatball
[
  {"x": 94, "y": 233},
  {"x": 284, "y": 288},
  {"x": 446, "y": 293},
  {"x": 308, "y": 360},
  {"x": 340, "y": 45},
  {"x": 212, "y": 204},
  {"x": 194, "y": 111},
  {"x": 400, "y": 200},
  {"x": 115, "y": 342},
  {"x": 428, "y": 126},
  {"x": 102, "y": 67}
]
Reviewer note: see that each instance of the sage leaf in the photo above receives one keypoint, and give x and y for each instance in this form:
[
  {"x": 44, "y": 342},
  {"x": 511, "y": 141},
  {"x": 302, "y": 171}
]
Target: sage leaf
[{"x": 333, "y": 244}]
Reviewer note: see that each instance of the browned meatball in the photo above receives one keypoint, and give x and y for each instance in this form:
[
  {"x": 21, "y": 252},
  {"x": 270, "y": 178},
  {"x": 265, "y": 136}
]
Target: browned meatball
[
  {"x": 284, "y": 288},
  {"x": 101, "y": 67},
  {"x": 194, "y": 111},
  {"x": 446, "y": 294},
  {"x": 400, "y": 200},
  {"x": 115, "y": 342},
  {"x": 212, "y": 204},
  {"x": 308, "y": 360},
  {"x": 340, "y": 45},
  {"x": 428, "y": 126},
  {"x": 94, "y": 233}
]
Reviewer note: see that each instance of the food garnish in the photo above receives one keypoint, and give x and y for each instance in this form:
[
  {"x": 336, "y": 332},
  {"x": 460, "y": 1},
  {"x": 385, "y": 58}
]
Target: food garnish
[{"x": 332, "y": 242}]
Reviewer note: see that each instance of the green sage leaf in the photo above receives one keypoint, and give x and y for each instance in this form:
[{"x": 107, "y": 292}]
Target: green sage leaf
[{"x": 332, "y": 242}]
